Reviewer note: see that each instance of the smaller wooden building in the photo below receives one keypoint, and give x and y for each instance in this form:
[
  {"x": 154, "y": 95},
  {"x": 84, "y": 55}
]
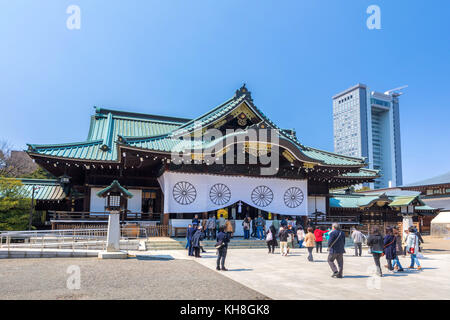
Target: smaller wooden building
[{"x": 380, "y": 208}]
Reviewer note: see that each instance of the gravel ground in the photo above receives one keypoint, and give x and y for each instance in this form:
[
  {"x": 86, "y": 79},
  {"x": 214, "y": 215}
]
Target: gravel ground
[{"x": 133, "y": 278}]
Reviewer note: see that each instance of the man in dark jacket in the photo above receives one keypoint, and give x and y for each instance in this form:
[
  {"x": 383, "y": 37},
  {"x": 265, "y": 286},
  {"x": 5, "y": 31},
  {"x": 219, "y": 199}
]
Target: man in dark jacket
[
  {"x": 190, "y": 232},
  {"x": 223, "y": 238},
  {"x": 196, "y": 238},
  {"x": 336, "y": 244}
]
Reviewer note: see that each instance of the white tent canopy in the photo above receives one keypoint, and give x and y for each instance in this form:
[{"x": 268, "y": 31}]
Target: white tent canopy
[{"x": 443, "y": 217}]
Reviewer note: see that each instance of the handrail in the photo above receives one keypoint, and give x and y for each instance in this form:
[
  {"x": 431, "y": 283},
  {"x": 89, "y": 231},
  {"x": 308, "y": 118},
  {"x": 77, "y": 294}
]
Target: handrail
[{"x": 94, "y": 215}]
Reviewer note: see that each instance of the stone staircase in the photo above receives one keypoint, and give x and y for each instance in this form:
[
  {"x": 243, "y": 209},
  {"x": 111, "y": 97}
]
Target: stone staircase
[
  {"x": 235, "y": 243},
  {"x": 180, "y": 243}
]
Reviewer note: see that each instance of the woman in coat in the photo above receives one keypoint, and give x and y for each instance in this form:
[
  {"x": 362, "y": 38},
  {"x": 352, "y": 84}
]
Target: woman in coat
[
  {"x": 246, "y": 227},
  {"x": 300, "y": 236},
  {"x": 229, "y": 228},
  {"x": 399, "y": 249},
  {"x": 310, "y": 240},
  {"x": 376, "y": 244},
  {"x": 412, "y": 247},
  {"x": 390, "y": 248},
  {"x": 271, "y": 239},
  {"x": 196, "y": 238}
]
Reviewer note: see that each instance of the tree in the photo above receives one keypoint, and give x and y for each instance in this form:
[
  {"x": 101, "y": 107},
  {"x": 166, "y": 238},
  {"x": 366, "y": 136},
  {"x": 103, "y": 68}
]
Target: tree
[
  {"x": 14, "y": 163},
  {"x": 39, "y": 173},
  {"x": 14, "y": 205}
]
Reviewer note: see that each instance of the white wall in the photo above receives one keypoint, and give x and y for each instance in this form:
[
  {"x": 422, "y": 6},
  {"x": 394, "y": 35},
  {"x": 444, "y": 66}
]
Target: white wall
[
  {"x": 135, "y": 203},
  {"x": 97, "y": 203},
  {"x": 317, "y": 202}
]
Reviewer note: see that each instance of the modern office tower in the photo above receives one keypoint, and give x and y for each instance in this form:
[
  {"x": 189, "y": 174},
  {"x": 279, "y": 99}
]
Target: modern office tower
[{"x": 367, "y": 124}]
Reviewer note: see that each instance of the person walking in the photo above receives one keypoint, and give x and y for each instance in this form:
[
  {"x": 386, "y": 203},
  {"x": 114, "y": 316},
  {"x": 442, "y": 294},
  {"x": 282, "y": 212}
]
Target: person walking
[
  {"x": 376, "y": 244},
  {"x": 405, "y": 235},
  {"x": 233, "y": 226},
  {"x": 196, "y": 241},
  {"x": 253, "y": 224},
  {"x": 318, "y": 233},
  {"x": 399, "y": 249},
  {"x": 358, "y": 238},
  {"x": 222, "y": 248},
  {"x": 419, "y": 237},
  {"x": 260, "y": 223},
  {"x": 284, "y": 222},
  {"x": 276, "y": 223},
  {"x": 291, "y": 236},
  {"x": 389, "y": 248},
  {"x": 336, "y": 249},
  {"x": 412, "y": 247},
  {"x": 195, "y": 221},
  {"x": 300, "y": 236},
  {"x": 246, "y": 227},
  {"x": 271, "y": 239},
  {"x": 229, "y": 228},
  {"x": 310, "y": 240},
  {"x": 188, "y": 238},
  {"x": 211, "y": 227},
  {"x": 203, "y": 230},
  {"x": 190, "y": 233},
  {"x": 283, "y": 235},
  {"x": 221, "y": 221}
]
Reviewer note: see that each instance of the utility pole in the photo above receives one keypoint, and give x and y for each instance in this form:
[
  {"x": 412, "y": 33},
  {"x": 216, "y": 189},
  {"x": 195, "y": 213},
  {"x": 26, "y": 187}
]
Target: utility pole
[{"x": 30, "y": 221}]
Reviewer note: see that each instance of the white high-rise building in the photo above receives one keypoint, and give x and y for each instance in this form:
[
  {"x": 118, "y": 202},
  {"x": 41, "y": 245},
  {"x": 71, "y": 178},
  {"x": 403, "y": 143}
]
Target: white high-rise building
[{"x": 367, "y": 124}]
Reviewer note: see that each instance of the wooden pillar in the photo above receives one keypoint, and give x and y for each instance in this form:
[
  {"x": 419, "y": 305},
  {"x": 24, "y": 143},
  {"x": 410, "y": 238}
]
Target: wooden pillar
[{"x": 166, "y": 219}]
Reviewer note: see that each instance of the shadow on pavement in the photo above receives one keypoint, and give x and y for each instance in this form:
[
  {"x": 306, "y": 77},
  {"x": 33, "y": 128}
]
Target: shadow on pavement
[
  {"x": 159, "y": 257},
  {"x": 243, "y": 269}
]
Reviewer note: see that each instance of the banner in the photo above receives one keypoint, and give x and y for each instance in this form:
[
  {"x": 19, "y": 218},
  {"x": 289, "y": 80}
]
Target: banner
[{"x": 191, "y": 192}]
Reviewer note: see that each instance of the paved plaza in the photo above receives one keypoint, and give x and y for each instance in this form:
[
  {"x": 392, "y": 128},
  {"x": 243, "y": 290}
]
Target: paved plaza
[
  {"x": 133, "y": 278},
  {"x": 293, "y": 277},
  {"x": 253, "y": 274}
]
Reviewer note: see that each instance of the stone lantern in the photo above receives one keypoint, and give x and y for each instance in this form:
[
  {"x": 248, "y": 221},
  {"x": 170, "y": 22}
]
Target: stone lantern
[{"x": 115, "y": 196}]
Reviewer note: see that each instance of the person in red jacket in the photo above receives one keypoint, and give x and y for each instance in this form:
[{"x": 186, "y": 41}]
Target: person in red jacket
[{"x": 318, "y": 233}]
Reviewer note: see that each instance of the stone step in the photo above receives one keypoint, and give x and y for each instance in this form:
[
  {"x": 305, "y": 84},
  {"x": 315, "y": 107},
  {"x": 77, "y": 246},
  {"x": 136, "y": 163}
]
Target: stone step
[{"x": 207, "y": 244}]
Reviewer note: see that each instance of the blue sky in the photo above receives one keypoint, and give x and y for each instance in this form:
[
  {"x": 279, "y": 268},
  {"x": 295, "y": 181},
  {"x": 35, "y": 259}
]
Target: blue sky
[{"x": 180, "y": 58}]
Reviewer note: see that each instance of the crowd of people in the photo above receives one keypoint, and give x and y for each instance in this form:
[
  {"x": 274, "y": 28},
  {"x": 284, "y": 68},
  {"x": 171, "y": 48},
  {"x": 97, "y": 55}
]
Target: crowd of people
[{"x": 291, "y": 233}]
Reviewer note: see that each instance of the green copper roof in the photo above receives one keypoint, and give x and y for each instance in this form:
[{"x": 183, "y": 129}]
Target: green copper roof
[
  {"x": 115, "y": 187},
  {"x": 356, "y": 200},
  {"x": 109, "y": 129},
  {"x": 362, "y": 173},
  {"x": 332, "y": 158},
  {"x": 44, "y": 189},
  {"x": 106, "y": 126},
  {"x": 351, "y": 201},
  {"x": 405, "y": 201}
]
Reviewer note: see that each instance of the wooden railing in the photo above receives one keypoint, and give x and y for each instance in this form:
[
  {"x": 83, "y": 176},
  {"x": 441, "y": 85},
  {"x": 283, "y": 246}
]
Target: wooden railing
[
  {"x": 158, "y": 231},
  {"x": 338, "y": 219},
  {"x": 85, "y": 215}
]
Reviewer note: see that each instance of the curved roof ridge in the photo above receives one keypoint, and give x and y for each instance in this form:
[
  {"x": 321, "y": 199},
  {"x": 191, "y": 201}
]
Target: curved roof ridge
[
  {"x": 336, "y": 154},
  {"x": 62, "y": 145},
  {"x": 233, "y": 99},
  {"x": 119, "y": 113}
]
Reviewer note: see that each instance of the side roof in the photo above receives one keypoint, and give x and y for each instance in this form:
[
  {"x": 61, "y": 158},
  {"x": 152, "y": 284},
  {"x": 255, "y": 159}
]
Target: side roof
[
  {"x": 440, "y": 179},
  {"x": 44, "y": 189}
]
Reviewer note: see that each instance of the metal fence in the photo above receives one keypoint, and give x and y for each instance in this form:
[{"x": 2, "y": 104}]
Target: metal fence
[{"x": 75, "y": 239}]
